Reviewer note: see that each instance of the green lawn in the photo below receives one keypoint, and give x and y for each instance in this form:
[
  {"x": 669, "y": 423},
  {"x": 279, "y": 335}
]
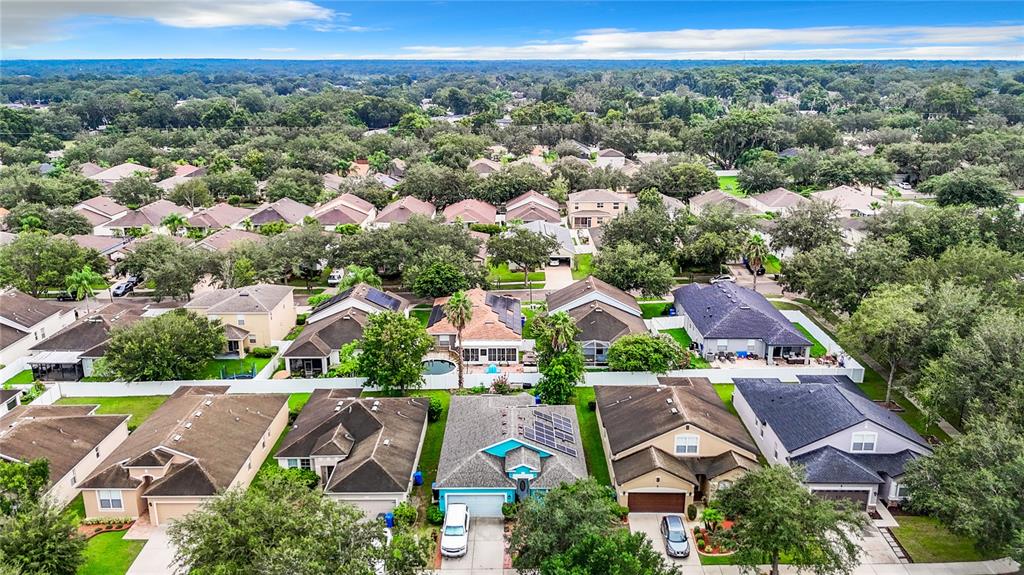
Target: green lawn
[
  {"x": 504, "y": 275},
  {"x": 220, "y": 368},
  {"x": 529, "y": 313},
  {"x": 110, "y": 554},
  {"x": 772, "y": 265},
  {"x": 23, "y": 377},
  {"x": 731, "y": 186},
  {"x": 655, "y": 309},
  {"x": 421, "y": 313},
  {"x": 715, "y": 559},
  {"x": 430, "y": 454},
  {"x": 725, "y": 392},
  {"x": 785, "y": 305},
  {"x": 683, "y": 339},
  {"x": 597, "y": 465},
  {"x": 584, "y": 265},
  {"x": 817, "y": 349},
  {"x": 296, "y": 401},
  {"x": 76, "y": 507},
  {"x": 928, "y": 541},
  {"x": 139, "y": 407}
]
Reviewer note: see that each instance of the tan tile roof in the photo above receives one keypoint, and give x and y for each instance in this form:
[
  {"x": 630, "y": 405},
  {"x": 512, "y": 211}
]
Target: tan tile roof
[{"x": 223, "y": 239}]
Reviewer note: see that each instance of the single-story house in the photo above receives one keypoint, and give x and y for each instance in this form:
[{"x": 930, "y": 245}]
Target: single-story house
[
  {"x": 848, "y": 446},
  {"x": 334, "y": 323},
  {"x": 223, "y": 239},
  {"x": 284, "y": 210},
  {"x": 25, "y": 321},
  {"x": 595, "y": 207},
  {"x": 610, "y": 157},
  {"x": 344, "y": 210},
  {"x": 501, "y": 449},
  {"x": 494, "y": 335},
  {"x": 400, "y": 210},
  {"x": 471, "y": 211},
  {"x": 72, "y": 438},
  {"x": 484, "y": 167},
  {"x": 182, "y": 174},
  {"x": 532, "y": 206},
  {"x": 565, "y": 253},
  {"x": 853, "y": 202},
  {"x": 253, "y": 316},
  {"x": 536, "y": 161},
  {"x": 219, "y": 216},
  {"x": 727, "y": 318},
  {"x": 778, "y": 201},
  {"x": 718, "y": 198},
  {"x": 197, "y": 444},
  {"x": 854, "y": 230},
  {"x": 110, "y": 176},
  {"x": 672, "y": 444},
  {"x": 68, "y": 355},
  {"x": 114, "y": 247},
  {"x": 364, "y": 450},
  {"x": 100, "y": 210},
  {"x": 602, "y": 312},
  {"x": 149, "y": 216}
]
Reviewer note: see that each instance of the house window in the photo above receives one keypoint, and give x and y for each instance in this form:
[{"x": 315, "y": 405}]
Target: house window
[
  {"x": 723, "y": 345},
  {"x": 902, "y": 491},
  {"x": 240, "y": 320},
  {"x": 471, "y": 354},
  {"x": 110, "y": 499},
  {"x": 751, "y": 345},
  {"x": 97, "y": 453},
  {"x": 615, "y": 206},
  {"x": 864, "y": 442},
  {"x": 575, "y": 207},
  {"x": 74, "y": 477},
  {"x": 292, "y": 463},
  {"x": 600, "y": 205},
  {"x": 252, "y": 338},
  {"x": 687, "y": 444},
  {"x": 724, "y": 484},
  {"x": 248, "y": 463}
]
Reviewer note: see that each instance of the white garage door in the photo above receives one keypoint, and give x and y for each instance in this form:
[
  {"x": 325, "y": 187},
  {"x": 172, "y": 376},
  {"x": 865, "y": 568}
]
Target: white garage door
[
  {"x": 480, "y": 505},
  {"x": 373, "y": 507}
]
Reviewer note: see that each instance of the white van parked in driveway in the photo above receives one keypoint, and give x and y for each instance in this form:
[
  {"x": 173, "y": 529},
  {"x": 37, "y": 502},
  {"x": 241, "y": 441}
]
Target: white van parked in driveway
[{"x": 455, "y": 532}]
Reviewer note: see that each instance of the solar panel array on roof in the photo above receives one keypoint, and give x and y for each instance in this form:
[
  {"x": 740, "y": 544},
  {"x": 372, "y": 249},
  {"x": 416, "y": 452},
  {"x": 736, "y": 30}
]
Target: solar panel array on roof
[
  {"x": 552, "y": 430},
  {"x": 382, "y": 299}
]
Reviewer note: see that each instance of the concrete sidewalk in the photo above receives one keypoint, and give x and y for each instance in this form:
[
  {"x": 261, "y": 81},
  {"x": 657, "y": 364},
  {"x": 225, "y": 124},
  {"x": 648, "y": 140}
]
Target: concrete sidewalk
[{"x": 156, "y": 557}]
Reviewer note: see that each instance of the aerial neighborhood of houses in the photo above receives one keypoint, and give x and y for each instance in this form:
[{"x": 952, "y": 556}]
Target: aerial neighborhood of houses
[{"x": 456, "y": 337}]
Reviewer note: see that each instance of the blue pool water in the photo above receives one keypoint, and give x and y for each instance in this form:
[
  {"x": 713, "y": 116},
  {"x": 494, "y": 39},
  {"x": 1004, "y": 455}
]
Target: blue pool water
[{"x": 437, "y": 366}]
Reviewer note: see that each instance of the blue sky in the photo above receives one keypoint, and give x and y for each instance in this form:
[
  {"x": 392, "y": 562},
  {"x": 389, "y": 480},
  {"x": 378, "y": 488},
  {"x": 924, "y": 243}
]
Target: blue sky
[{"x": 314, "y": 29}]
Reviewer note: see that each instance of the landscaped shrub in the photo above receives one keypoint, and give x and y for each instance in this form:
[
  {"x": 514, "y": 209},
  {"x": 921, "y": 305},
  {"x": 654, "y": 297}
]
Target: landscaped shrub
[
  {"x": 315, "y": 300},
  {"x": 106, "y": 521},
  {"x": 234, "y": 200},
  {"x": 691, "y": 512},
  {"x": 592, "y": 405},
  {"x": 508, "y": 510},
  {"x": 435, "y": 409},
  {"x": 434, "y": 515},
  {"x": 489, "y": 229},
  {"x": 501, "y": 385},
  {"x": 405, "y": 514},
  {"x": 301, "y": 319},
  {"x": 263, "y": 352},
  {"x": 622, "y": 511}
]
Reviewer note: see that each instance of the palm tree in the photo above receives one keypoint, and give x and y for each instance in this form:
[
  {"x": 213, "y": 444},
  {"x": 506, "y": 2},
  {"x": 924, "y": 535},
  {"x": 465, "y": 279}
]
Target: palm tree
[
  {"x": 174, "y": 222},
  {"x": 562, "y": 329},
  {"x": 892, "y": 194},
  {"x": 459, "y": 311},
  {"x": 756, "y": 251},
  {"x": 359, "y": 275},
  {"x": 79, "y": 284}
]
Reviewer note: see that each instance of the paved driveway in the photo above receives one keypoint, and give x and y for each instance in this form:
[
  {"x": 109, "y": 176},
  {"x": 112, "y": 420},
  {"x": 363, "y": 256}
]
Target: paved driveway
[
  {"x": 557, "y": 277},
  {"x": 650, "y": 524},
  {"x": 486, "y": 554},
  {"x": 874, "y": 548},
  {"x": 156, "y": 557}
]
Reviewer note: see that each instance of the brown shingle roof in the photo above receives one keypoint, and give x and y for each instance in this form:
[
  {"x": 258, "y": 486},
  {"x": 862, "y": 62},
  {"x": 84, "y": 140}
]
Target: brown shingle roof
[
  {"x": 285, "y": 209},
  {"x": 589, "y": 285},
  {"x": 694, "y": 399},
  {"x": 471, "y": 211},
  {"x": 220, "y": 215},
  {"x": 222, "y": 240},
  {"x": 399, "y": 211},
  {"x": 249, "y": 299},
  {"x": 219, "y": 441},
  {"x": 23, "y": 309}
]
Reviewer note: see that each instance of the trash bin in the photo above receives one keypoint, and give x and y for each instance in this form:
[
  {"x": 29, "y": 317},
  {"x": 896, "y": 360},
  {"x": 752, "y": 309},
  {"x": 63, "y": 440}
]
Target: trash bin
[
  {"x": 389, "y": 520},
  {"x": 417, "y": 478}
]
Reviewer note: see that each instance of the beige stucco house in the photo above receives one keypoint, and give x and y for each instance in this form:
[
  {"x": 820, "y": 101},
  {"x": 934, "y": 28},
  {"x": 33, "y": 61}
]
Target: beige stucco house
[
  {"x": 688, "y": 446},
  {"x": 253, "y": 316},
  {"x": 596, "y": 207},
  {"x": 199, "y": 443}
]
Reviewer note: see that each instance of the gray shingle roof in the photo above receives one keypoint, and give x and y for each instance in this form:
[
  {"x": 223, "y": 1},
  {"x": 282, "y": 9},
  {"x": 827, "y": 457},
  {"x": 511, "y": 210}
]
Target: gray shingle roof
[
  {"x": 728, "y": 311},
  {"x": 803, "y": 413},
  {"x": 249, "y": 299},
  {"x": 478, "y": 422},
  {"x": 23, "y": 309},
  {"x": 830, "y": 465}
]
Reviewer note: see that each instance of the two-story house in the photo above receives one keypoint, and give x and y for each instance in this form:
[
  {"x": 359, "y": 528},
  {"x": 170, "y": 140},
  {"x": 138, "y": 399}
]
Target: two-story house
[
  {"x": 26, "y": 321},
  {"x": 847, "y": 446},
  {"x": 253, "y": 316},
  {"x": 595, "y": 207}
]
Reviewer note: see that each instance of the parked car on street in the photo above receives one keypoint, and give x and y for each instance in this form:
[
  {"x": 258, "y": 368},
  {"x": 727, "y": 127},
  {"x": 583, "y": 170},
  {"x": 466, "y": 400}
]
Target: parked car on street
[
  {"x": 455, "y": 532},
  {"x": 122, "y": 289},
  {"x": 673, "y": 531},
  {"x": 722, "y": 278},
  {"x": 66, "y": 296}
]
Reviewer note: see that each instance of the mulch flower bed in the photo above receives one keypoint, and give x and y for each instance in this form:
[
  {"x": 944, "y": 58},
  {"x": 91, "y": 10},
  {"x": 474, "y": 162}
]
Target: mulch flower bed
[
  {"x": 702, "y": 534},
  {"x": 97, "y": 528}
]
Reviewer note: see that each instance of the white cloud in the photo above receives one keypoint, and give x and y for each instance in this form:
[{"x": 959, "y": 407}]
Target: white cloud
[
  {"x": 28, "y": 22},
  {"x": 278, "y": 50},
  {"x": 828, "y": 43}
]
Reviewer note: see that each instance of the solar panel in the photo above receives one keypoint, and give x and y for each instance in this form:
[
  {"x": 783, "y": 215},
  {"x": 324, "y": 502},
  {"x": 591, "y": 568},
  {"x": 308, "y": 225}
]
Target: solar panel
[
  {"x": 528, "y": 434},
  {"x": 559, "y": 434},
  {"x": 382, "y": 299},
  {"x": 542, "y": 415},
  {"x": 566, "y": 450}
]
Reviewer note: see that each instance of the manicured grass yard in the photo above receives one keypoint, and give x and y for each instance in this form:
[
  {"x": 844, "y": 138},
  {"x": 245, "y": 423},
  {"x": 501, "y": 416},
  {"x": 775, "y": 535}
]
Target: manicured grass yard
[
  {"x": 655, "y": 309},
  {"x": 731, "y": 186},
  {"x": 724, "y": 391},
  {"x": 23, "y": 377},
  {"x": 430, "y": 454},
  {"x": 928, "y": 541},
  {"x": 230, "y": 367},
  {"x": 420, "y": 313},
  {"x": 683, "y": 339},
  {"x": 597, "y": 465},
  {"x": 110, "y": 554},
  {"x": 501, "y": 274},
  {"x": 76, "y": 507},
  {"x": 139, "y": 407},
  {"x": 817, "y": 349},
  {"x": 584, "y": 265},
  {"x": 529, "y": 313},
  {"x": 772, "y": 265}
]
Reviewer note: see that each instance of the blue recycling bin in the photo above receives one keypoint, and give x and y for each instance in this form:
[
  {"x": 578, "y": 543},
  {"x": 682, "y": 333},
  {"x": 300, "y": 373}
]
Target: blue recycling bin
[
  {"x": 417, "y": 478},
  {"x": 389, "y": 520},
  {"x": 536, "y": 399},
  {"x": 672, "y": 310}
]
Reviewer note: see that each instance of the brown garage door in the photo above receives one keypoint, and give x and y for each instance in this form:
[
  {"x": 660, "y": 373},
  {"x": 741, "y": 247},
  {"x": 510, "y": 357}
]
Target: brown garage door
[
  {"x": 657, "y": 502},
  {"x": 859, "y": 497}
]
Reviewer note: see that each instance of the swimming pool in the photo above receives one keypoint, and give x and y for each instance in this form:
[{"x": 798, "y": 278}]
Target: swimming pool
[{"x": 437, "y": 366}]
